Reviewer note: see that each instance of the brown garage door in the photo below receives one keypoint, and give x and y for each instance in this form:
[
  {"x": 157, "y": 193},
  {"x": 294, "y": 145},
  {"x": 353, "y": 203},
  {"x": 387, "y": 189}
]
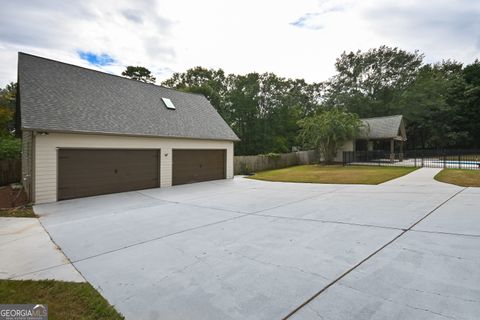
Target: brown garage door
[
  {"x": 198, "y": 165},
  {"x": 89, "y": 172}
]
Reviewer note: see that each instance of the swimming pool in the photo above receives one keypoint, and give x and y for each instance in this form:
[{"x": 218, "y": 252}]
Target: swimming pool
[{"x": 458, "y": 162}]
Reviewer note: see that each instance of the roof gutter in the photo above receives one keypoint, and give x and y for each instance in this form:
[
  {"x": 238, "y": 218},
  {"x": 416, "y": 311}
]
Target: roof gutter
[{"x": 39, "y": 130}]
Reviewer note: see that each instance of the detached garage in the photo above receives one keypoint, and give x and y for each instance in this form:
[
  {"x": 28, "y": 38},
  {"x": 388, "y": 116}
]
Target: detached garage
[{"x": 88, "y": 133}]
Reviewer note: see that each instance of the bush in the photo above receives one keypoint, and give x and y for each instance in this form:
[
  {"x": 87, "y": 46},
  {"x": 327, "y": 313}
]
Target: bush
[
  {"x": 246, "y": 170},
  {"x": 10, "y": 147}
]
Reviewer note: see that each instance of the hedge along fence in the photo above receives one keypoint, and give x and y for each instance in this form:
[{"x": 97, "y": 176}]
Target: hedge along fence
[
  {"x": 10, "y": 171},
  {"x": 10, "y": 163},
  {"x": 251, "y": 164}
]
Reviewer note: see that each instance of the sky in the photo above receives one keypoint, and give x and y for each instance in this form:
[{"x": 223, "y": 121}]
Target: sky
[{"x": 294, "y": 39}]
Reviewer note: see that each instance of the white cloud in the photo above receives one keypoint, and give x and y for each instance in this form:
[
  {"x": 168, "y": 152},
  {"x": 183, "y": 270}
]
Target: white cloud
[
  {"x": 238, "y": 36},
  {"x": 444, "y": 29}
]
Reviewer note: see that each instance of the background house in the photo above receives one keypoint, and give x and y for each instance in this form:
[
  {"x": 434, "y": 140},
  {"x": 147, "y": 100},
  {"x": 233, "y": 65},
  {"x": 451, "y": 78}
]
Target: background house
[
  {"x": 386, "y": 135},
  {"x": 382, "y": 134}
]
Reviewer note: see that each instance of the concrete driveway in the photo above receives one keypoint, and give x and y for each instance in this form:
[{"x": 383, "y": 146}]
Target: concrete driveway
[{"x": 245, "y": 249}]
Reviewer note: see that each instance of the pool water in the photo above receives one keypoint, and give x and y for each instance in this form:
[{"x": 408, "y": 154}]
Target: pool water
[{"x": 459, "y": 162}]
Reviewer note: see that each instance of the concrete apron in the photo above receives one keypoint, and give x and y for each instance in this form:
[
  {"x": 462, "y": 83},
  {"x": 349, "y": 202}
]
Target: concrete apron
[
  {"x": 28, "y": 253},
  {"x": 245, "y": 249}
]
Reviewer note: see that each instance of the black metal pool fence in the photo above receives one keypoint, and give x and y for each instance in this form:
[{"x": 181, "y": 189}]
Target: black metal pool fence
[{"x": 454, "y": 159}]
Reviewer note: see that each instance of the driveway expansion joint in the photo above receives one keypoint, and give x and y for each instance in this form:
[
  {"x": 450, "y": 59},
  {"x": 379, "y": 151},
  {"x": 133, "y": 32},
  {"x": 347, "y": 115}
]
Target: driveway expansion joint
[
  {"x": 60, "y": 249},
  {"x": 194, "y": 205},
  {"x": 326, "y": 221},
  {"x": 158, "y": 238},
  {"x": 448, "y": 233},
  {"x": 16, "y": 276},
  {"x": 306, "y": 302},
  {"x": 319, "y": 195}
]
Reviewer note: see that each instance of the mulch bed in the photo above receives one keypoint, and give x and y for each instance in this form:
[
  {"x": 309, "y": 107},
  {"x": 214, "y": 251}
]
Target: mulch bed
[{"x": 11, "y": 198}]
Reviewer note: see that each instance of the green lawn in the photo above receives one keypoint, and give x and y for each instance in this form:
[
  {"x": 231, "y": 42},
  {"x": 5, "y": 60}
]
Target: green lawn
[
  {"x": 65, "y": 300},
  {"x": 336, "y": 174},
  {"x": 463, "y": 178},
  {"x": 22, "y": 212}
]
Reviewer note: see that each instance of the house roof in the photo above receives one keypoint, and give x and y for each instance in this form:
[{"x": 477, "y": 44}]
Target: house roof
[
  {"x": 391, "y": 127},
  {"x": 60, "y": 97}
]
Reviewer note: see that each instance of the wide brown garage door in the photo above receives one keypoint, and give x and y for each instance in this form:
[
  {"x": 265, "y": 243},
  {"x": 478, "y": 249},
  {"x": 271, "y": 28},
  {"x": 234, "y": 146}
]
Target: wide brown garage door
[
  {"x": 89, "y": 172},
  {"x": 197, "y": 165}
]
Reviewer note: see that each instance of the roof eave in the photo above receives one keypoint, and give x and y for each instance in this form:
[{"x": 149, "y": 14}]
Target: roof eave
[{"x": 126, "y": 134}]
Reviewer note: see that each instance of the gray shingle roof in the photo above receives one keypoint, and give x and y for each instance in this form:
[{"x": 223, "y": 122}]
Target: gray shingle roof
[
  {"x": 390, "y": 127},
  {"x": 56, "y": 96}
]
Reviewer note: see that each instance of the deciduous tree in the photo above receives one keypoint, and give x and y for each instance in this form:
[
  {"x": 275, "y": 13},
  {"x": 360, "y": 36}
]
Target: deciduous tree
[
  {"x": 139, "y": 73},
  {"x": 368, "y": 83},
  {"x": 328, "y": 131}
]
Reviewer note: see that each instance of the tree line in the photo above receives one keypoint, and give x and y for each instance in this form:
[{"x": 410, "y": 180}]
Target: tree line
[{"x": 440, "y": 101}]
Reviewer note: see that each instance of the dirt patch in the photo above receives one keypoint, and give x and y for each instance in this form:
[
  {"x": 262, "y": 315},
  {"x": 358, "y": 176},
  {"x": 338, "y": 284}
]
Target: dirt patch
[{"x": 10, "y": 198}]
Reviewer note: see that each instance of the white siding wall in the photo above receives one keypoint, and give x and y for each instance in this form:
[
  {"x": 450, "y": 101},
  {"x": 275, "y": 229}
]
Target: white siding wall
[
  {"x": 347, "y": 146},
  {"x": 46, "y": 155}
]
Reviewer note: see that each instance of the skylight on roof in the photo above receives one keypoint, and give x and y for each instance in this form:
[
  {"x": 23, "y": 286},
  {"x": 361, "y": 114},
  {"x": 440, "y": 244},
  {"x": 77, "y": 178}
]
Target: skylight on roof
[{"x": 168, "y": 103}]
